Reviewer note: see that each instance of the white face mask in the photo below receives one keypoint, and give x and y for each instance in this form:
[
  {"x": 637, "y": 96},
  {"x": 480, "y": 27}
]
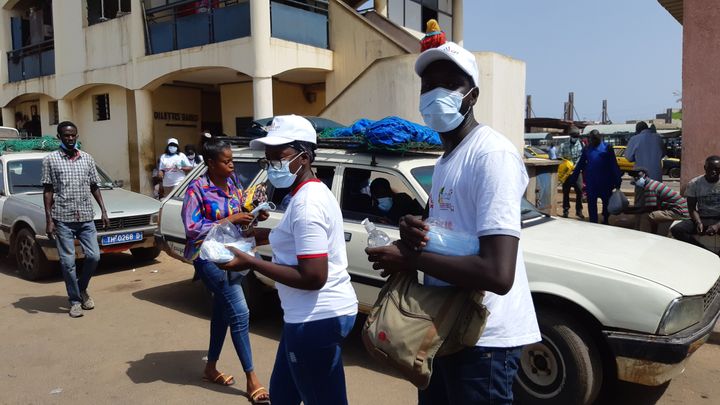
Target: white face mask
[
  {"x": 172, "y": 149},
  {"x": 440, "y": 108},
  {"x": 640, "y": 182},
  {"x": 191, "y": 156}
]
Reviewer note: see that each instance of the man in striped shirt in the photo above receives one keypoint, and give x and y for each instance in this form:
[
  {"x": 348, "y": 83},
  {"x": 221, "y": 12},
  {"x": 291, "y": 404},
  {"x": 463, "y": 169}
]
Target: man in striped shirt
[{"x": 656, "y": 201}]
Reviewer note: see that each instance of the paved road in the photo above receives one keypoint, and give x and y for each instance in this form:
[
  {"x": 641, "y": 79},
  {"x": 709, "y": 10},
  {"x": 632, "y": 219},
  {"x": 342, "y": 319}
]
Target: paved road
[{"x": 145, "y": 343}]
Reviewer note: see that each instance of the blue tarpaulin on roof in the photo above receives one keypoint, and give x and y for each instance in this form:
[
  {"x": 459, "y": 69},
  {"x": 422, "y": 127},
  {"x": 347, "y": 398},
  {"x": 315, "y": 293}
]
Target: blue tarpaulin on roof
[{"x": 391, "y": 133}]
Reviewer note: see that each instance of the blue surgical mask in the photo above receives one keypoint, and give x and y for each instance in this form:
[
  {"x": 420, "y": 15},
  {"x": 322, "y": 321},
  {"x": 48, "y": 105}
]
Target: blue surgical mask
[
  {"x": 641, "y": 182},
  {"x": 172, "y": 149},
  {"x": 440, "y": 109},
  {"x": 282, "y": 178},
  {"x": 385, "y": 204}
]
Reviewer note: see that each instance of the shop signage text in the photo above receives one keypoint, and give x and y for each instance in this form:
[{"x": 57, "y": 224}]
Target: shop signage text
[{"x": 172, "y": 116}]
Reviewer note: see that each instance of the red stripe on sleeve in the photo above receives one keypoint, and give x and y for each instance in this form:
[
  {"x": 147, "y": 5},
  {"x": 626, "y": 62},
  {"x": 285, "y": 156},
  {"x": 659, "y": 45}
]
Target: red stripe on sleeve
[{"x": 313, "y": 256}]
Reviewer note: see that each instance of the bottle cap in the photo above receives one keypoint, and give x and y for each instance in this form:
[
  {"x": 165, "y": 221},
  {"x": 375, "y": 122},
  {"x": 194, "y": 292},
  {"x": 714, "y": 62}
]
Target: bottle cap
[{"x": 369, "y": 226}]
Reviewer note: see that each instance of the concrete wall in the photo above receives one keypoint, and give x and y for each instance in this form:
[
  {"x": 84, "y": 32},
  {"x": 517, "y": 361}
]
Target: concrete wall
[
  {"x": 183, "y": 100},
  {"x": 106, "y": 140},
  {"x": 391, "y": 87},
  {"x": 237, "y": 101},
  {"x": 356, "y": 43},
  {"x": 701, "y": 87},
  {"x": 108, "y": 44}
]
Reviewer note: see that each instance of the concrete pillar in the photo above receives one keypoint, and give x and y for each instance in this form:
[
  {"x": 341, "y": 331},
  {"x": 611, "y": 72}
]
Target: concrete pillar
[
  {"x": 260, "y": 29},
  {"x": 137, "y": 30},
  {"x": 5, "y": 45},
  {"x": 8, "y": 117},
  {"x": 70, "y": 53},
  {"x": 458, "y": 26},
  {"x": 701, "y": 88},
  {"x": 262, "y": 97},
  {"x": 380, "y": 7},
  {"x": 141, "y": 143},
  {"x": 65, "y": 111}
]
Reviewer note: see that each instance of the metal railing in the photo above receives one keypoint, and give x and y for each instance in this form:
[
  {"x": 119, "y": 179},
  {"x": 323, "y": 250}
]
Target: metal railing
[
  {"x": 186, "y": 24},
  {"x": 31, "y": 61},
  {"x": 305, "y": 22}
]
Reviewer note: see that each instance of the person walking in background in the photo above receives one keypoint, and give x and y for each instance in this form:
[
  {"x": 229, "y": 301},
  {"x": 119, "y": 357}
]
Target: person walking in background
[
  {"x": 309, "y": 266},
  {"x": 646, "y": 149},
  {"x": 193, "y": 157},
  {"x": 703, "y": 200},
  {"x": 571, "y": 150},
  {"x": 173, "y": 166},
  {"x": 209, "y": 199},
  {"x": 70, "y": 178},
  {"x": 434, "y": 36},
  {"x": 656, "y": 201},
  {"x": 552, "y": 152},
  {"x": 601, "y": 172}
]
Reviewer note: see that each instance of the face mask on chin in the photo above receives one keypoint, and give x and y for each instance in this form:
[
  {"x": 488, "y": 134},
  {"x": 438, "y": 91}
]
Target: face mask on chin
[{"x": 440, "y": 109}]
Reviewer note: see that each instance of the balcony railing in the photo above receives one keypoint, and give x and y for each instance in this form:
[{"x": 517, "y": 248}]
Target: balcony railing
[
  {"x": 305, "y": 22},
  {"x": 31, "y": 61},
  {"x": 187, "y": 24}
]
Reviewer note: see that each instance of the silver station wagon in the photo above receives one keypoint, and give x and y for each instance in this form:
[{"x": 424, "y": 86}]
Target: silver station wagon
[
  {"x": 612, "y": 303},
  {"x": 133, "y": 217}
]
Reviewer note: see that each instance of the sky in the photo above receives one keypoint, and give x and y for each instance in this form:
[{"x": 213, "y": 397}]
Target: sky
[{"x": 626, "y": 51}]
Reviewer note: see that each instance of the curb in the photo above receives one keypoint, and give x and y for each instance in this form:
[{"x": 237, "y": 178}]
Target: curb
[{"x": 715, "y": 335}]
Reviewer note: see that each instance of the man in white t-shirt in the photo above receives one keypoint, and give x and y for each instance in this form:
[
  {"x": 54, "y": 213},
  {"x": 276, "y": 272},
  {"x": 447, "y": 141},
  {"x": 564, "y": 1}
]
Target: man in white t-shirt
[{"x": 477, "y": 188}]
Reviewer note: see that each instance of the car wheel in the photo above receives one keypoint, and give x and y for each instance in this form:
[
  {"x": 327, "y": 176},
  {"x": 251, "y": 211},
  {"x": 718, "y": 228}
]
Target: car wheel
[
  {"x": 31, "y": 261},
  {"x": 674, "y": 172},
  {"x": 146, "y": 254},
  {"x": 564, "y": 368}
]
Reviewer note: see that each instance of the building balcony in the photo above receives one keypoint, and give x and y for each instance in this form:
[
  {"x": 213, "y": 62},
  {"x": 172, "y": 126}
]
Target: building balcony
[
  {"x": 304, "y": 22},
  {"x": 31, "y": 61}
]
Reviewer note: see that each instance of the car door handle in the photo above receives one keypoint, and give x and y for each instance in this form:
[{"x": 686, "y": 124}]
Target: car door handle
[{"x": 348, "y": 236}]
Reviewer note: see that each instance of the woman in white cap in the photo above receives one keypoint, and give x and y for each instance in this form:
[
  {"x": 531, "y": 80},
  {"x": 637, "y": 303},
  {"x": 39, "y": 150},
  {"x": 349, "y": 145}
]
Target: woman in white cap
[
  {"x": 173, "y": 166},
  {"x": 310, "y": 269}
]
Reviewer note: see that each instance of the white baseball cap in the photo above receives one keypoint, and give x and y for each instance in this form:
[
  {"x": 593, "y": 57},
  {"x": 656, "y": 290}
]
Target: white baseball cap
[
  {"x": 285, "y": 129},
  {"x": 452, "y": 52},
  {"x": 173, "y": 140}
]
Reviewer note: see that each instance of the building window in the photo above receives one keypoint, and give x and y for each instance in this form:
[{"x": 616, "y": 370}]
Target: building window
[
  {"x": 102, "y": 107},
  {"x": 53, "y": 113},
  {"x": 103, "y": 10}
]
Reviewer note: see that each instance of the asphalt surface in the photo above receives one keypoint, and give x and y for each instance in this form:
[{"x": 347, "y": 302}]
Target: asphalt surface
[{"x": 145, "y": 343}]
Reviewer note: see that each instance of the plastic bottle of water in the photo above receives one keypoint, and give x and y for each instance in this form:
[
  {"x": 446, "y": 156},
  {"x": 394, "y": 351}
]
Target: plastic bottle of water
[{"x": 376, "y": 237}]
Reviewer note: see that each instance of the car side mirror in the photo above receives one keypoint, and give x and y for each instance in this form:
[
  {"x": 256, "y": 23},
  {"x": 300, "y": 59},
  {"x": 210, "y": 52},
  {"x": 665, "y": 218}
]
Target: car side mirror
[{"x": 118, "y": 183}]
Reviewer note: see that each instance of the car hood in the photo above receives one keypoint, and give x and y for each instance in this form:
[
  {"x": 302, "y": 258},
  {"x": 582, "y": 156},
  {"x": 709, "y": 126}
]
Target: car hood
[
  {"x": 118, "y": 202},
  {"x": 685, "y": 268}
]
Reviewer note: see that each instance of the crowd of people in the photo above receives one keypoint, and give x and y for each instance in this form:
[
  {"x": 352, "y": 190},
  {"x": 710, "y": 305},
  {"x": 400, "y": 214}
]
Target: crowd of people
[{"x": 309, "y": 263}]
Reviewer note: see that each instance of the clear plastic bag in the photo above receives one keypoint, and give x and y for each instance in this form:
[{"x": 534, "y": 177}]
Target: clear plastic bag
[
  {"x": 446, "y": 242},
  {"x": 224, "y": 234}
]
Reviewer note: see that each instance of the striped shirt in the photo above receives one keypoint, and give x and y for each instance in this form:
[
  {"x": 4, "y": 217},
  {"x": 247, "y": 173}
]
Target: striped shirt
[
  {"x": 659, "y": 195},
  {"x": 71, "y": 179}
]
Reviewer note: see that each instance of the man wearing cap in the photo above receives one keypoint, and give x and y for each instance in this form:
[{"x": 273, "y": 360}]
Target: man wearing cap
[
  {"x": 173, "y": 166},
  {"x": 570, "y": 151},
  {"x": 477, "y": 188}
]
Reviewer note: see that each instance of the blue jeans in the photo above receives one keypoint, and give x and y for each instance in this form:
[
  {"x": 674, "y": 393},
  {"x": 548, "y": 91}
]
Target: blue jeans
[
  {"x": 65, "y": 235},
  {"x": 308, "y": 366},
  {"x": 476, "y": 375},
  {"x": 229, "y": 309}
]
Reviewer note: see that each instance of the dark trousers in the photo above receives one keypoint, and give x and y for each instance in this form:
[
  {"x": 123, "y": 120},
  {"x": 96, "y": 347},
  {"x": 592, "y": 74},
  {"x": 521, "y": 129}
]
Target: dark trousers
[
  {"x": 578, "y": 195},
  {"x": 592, "y": 205}
]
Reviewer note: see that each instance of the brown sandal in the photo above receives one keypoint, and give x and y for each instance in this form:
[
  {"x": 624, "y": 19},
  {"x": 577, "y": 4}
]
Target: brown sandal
[
  {"x": 221, "y": 379},
  {"x": 256, "y": 395}
]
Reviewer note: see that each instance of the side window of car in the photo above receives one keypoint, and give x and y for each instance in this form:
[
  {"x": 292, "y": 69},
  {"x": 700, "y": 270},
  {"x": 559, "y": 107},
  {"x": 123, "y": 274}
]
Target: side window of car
[
  {"x": 381, "y": 196},
  {"x": 281, "y": 197},
  {"x": 2, "y": 180}
]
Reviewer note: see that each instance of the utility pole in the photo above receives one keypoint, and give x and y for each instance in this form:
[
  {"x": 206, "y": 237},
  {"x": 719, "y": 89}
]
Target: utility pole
[
  {"x": 528, "y": 107},
  {"x": 605, "y": 117},
  {"x": 571, "y": 107},
  {"x": 668, "y": 116}
]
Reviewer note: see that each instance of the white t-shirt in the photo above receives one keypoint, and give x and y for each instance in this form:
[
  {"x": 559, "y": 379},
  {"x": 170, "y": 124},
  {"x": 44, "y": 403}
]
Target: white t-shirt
[
  {"x": 313, "y": 227},
  {"x": 171, "y": 166},
  {"x": 478, "y": 189}
]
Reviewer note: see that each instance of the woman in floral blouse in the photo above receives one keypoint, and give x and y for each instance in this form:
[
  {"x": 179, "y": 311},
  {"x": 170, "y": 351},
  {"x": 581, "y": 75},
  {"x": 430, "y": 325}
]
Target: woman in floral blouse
[{"x": 211, "y": 198}]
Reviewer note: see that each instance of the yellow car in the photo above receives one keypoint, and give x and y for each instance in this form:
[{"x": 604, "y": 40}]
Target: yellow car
[
  {"x": 535, "y": 152},
  {"x": 670, "y": 166},
  {"x": 626, "y": 166}
]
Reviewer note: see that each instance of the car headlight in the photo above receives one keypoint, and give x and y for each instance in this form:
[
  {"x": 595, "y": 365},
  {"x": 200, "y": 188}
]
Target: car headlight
[
  {"x": 681, "y": 314},
  {"x": 154, "y": 218}
]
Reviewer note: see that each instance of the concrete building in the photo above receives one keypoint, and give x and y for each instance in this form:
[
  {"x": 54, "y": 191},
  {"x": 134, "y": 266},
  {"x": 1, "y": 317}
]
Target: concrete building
[
  {"x": 133, "y": 73},
  {"x": 701, "y": 87}
]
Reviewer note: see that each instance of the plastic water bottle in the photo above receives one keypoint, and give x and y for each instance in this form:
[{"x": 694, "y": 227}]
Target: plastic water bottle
[{"x": 376, "y": 237}]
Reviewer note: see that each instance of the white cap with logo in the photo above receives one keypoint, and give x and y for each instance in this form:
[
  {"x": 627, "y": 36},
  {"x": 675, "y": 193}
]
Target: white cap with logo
[
  {"x": 285, "y": 129},
  {"x": 453, "y": 52},
  {"x": 173, "y": 141}
]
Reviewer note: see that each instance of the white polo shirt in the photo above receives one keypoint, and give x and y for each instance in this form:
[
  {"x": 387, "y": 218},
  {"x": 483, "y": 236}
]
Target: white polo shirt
[
  {"x": 313, "y": 227},
  {"x": 477, "y": 189},
  {"x": 171, "y": 165}
]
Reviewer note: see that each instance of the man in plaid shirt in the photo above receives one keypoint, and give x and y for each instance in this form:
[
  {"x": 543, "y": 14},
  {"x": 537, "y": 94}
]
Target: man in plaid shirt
[
  {"x": 571, "y": 151},
  {"x": 69, "y": 177}
]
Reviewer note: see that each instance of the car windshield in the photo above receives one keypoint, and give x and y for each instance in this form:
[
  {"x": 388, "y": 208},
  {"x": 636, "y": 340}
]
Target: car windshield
[
  {"x": 423, "y": 175},
  {"x": 25, "y": 176}
]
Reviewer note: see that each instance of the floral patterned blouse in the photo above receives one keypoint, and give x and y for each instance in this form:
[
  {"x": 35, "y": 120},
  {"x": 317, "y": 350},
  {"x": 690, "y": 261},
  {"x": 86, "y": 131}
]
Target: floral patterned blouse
[{"x": 203, "y": 206}]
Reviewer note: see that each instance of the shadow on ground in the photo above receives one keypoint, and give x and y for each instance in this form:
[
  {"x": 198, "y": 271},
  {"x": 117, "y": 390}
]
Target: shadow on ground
[
  {"x": 623, "y": 393},
  {"x": 51, "y": 304},
  {"x": 179, "y": 368},
  {"x": 184, "y": 296}
]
